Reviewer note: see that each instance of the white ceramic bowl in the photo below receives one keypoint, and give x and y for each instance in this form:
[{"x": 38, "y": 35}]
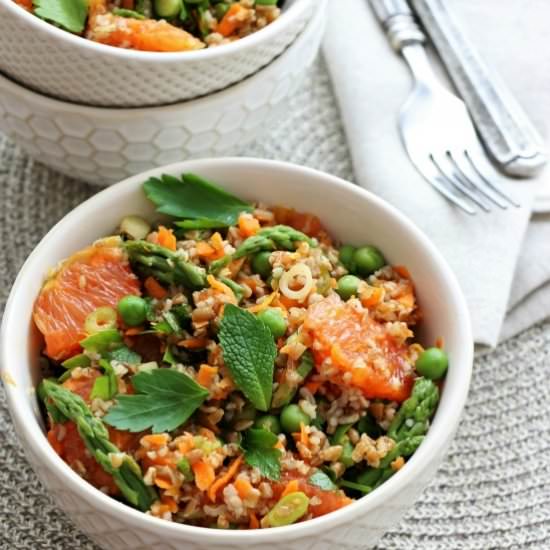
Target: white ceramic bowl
[
  {"x": 102, "y": 145},
  {"x": 350, "y": 214},
  {"x": 54, "y": 62}
]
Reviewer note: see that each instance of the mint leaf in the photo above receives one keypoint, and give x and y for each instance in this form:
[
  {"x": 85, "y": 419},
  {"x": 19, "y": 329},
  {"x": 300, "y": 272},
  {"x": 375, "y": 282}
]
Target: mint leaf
[
  {"x": 195, "y": 198},
  {"x": 321, "y": 480},
  {"x": 249, "y": 353},
  {"x": 259, "y": 452},
  {"x": 68, "y": 14},
  {"x": 165, "y": 399}
]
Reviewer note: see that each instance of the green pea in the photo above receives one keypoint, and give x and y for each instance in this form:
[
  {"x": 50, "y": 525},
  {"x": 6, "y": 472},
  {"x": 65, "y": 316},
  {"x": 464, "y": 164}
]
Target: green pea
[
  {"x": 432, "y": 363},
  {"x": 348, "y": 286},
  {"x": 103, "y": 318},
  {"x": 345, "y": 256},
  {"x": 368, "y": 259},
  {"x": 268, "y": 422},
  {"x": 288, "y": 510},
  {"x": 133, "y": 310},
  {"x": 291, "y": 418},
  {"x": 274, "y": 320},
  {"x": 261, "y": 265},
  {"x": 168, "y": 8}
]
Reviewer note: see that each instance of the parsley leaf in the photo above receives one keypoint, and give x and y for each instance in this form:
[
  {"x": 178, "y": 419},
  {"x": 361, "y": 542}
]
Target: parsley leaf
[
  {"x": 165, "y": 399},
  {"x": 259, "y": 452},
  {"x": 195, "y": 198},
  {"x": 321, "y": 480},
  {"x": 68, "y": 14},
  {"x": 249, "y": 353}
]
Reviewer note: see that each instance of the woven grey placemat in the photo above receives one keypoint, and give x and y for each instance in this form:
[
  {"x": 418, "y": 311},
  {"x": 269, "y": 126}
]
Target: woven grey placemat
[{"x": 493, "y": 491}]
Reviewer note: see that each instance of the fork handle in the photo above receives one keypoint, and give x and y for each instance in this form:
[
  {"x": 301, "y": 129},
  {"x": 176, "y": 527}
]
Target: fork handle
[
  {"x": 398, "y": 21},
  {"x": 513, "y": 141}
]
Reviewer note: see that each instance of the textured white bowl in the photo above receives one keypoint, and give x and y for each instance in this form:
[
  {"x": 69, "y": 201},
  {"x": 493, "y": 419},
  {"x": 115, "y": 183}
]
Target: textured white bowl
[
  {"x": 350, "y": 214},
  {"x": 57, "y": 63},
  {"x": 102, "y": 145}
]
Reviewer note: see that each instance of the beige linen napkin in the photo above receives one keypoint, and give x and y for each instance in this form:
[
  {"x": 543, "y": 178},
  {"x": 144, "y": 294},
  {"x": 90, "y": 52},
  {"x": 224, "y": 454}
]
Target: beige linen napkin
[{"x": 371, "y": 83}]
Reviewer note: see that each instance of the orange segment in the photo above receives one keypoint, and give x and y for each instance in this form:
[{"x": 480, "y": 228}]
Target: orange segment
[
  {"x": 147, "y": 34},
  {"x": 364, "y": 351},
  {"x": 97, "y": 276}
]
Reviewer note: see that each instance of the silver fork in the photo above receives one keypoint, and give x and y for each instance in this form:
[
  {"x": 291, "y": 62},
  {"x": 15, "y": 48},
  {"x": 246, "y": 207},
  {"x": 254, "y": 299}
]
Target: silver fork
[{"x": 435, "y": 126}]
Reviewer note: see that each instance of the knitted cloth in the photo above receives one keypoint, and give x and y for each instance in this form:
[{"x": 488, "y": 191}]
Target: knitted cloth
[{"x": 492, "y": 491}]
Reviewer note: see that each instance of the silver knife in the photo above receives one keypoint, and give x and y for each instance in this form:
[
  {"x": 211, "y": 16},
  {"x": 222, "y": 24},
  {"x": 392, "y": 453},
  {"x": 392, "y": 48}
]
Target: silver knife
[{"x": 510, "y": 138}]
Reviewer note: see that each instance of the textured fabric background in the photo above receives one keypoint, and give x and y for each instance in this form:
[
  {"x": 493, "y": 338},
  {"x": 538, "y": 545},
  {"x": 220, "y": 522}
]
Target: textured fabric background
[{"x": 493, "y": 491}]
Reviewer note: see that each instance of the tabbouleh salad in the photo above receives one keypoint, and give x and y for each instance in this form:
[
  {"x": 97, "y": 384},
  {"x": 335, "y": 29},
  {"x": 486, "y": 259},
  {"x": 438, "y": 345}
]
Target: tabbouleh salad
[
  {"x": 158, "y": 25},
  {"x": 231, "y": 366}
]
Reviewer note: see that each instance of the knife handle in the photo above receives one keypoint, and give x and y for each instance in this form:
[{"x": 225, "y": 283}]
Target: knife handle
[
  {"x": 398, "y": 21},
  {"x": 507, "y": 133}
]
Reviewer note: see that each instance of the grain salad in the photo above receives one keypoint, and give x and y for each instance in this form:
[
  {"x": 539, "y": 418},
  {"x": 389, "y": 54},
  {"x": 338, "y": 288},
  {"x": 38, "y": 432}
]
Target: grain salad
[
  {"x": 158, "y": 25},
  {"x": 229, "y": 365}
]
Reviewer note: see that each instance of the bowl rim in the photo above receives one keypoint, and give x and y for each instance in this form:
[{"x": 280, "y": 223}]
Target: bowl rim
[
  {"x": 238, "y": 88},
  {"x": 293, "y": 12},
  {"x": 454, "y": 398}
]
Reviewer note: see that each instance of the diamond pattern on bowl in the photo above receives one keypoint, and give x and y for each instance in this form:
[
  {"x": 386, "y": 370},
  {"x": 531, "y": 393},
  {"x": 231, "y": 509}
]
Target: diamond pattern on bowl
[
  {"x": 70, "y": 69},
  {"x": 103, "y": 146}
]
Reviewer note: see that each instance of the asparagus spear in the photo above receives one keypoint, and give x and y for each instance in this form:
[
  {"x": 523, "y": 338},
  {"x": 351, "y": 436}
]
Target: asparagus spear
[
  {"x": 164, "y": 265},
  {"x": 413, "y": 416},
  {"x": 93, "y": 432},
  {"x": 278, "y": 237},
  {"x": 286, "y": 390}
]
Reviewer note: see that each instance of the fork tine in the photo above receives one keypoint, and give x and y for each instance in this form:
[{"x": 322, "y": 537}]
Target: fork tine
[
  {"x": 466, "y": 172},
  {"x": 448, "y": 172},
  {"x": 476, "y": 160},
  {"x": 434, "y": 178}
]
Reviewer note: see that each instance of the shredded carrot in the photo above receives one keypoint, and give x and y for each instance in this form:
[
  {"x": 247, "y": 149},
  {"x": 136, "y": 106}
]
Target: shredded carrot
[
  {"x": 292, "y": 487},
  {"x": 287, "y": 302},
  {"x": 312, "y": 386},
  {"x": 225, "y": 479},
  {"x": 204, "y": 475},
  {"x": 155, "y": 440},
  {"x": 27, "y": 4},
  {"x": 166, "y": 238},
  {"x": 154, "y": 288},
  {"x": 232, "y": 20},
  {"x": 170, "y": 503},
  {"x": 248, "y": 225},
  {"x": 206, "y": 375},
  {"x": 205, "y": 250},
  {"x": 216, "y": 241},
  {"x": 185, "y": 443},
  {"x": 264, "y": 304},
  {"x": 243, "y": 487},
  {"x": 373, "y": 298},
  {"x": 235, "y": 266},
  {"x": 193, "y": 343},
  {"x": 402, "y": 271},
  {"x": 304, "y": 437},
  {"x": 219, "y": 286},
  {"x": 162, "y": 482},
  {"x": 279, "y": 445},
  {"x": 254, "y": 523},
  {"x": 440, "y": 343}
]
